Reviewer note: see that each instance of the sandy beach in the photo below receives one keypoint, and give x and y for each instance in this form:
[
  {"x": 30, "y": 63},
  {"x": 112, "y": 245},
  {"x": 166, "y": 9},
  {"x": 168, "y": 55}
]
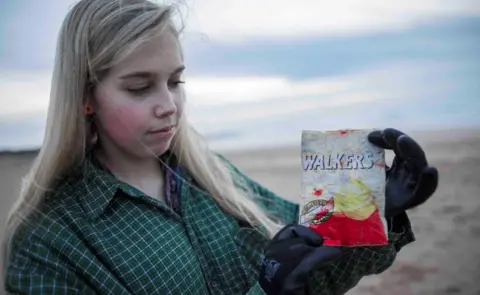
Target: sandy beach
[{"x": 445, "y": 259}]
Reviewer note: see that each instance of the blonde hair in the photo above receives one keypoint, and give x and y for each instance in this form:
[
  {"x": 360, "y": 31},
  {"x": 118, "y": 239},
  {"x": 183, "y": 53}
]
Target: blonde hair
[{"x": 95, "y": 35}]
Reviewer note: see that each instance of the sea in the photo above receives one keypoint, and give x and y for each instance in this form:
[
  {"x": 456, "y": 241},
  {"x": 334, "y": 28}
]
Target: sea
[
  {"x": 278, "y": 122},
  {"x": 251, "y": 125}
]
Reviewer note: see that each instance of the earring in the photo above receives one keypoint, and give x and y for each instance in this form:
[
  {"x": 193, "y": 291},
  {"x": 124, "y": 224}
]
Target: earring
[{"x": 88, "y": 109}]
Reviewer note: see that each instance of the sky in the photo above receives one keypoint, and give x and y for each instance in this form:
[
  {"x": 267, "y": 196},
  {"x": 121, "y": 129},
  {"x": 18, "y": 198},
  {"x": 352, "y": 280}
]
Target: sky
[{"x": 322, "y": 64}]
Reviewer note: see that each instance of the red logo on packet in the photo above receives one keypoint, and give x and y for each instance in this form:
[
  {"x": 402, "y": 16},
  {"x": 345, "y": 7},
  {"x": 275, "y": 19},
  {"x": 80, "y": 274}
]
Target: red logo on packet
[
  {"x": 349, "y": 218},
  {"x": 340, "y": 230}
]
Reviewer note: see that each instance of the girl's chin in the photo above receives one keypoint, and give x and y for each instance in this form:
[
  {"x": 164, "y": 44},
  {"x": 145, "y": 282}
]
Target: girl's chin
[{"x": 160, "y": 148}]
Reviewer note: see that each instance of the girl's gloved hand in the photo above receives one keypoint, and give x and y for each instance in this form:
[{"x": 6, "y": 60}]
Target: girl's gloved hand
[
  {"x": 410, "y": 181},
  {"x": 290, "y": 258}
]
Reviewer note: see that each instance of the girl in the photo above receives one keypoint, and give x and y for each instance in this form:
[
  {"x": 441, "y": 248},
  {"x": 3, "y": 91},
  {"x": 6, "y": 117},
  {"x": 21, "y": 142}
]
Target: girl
[{"x": 125, "y": 198}]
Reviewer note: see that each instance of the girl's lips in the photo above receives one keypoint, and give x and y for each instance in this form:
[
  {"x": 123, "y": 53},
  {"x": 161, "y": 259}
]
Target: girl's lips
[
  {"x": 164, "y": 129},
  {"x": 167, "y": 131}
]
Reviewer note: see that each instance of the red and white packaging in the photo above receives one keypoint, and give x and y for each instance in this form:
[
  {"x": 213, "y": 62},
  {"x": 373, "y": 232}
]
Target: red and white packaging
[{"x": 343, "y": 188}]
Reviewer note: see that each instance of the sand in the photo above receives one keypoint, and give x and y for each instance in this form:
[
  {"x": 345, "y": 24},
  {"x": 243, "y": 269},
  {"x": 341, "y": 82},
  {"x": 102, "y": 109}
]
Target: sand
[{"x": 445, "y": 259}]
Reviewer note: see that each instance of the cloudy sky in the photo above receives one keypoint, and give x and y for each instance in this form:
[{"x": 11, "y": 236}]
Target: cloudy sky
[{"x": 281, "y": 57}]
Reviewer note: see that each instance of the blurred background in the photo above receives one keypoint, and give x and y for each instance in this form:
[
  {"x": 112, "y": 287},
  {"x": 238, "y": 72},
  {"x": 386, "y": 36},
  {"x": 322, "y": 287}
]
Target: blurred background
[
  {"x": 278, "y": 66},
  {"x": 258, "y": 72}
]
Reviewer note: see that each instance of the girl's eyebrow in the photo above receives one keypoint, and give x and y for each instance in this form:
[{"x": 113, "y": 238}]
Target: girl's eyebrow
[
  {"x": 146, "y": 74},
  {"x": 178, "y": 70}
]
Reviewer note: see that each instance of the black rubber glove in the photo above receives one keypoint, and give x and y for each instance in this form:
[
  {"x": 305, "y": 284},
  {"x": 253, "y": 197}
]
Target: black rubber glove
[
  {"x": 410, "y": 181},
  {"x": 291, "y": 257}
]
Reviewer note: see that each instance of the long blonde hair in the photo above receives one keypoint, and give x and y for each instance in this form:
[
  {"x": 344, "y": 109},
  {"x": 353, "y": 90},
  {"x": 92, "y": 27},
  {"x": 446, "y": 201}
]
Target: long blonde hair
[{"x": 95, "y": 35}]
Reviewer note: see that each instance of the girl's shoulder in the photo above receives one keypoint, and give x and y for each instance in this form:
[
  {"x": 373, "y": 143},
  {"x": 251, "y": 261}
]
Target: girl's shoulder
[{"x": 81, "y": 190}]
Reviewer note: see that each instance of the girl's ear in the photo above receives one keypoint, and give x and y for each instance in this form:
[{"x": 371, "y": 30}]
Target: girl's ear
[
  {"x": 89, "y": 103},
  {"x": 89, "y": 106},
  {"x": 92, "y": 136}
]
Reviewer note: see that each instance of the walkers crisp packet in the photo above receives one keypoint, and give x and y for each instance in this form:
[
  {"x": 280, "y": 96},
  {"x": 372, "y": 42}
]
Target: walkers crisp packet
[{"x": 343, "y": 188}]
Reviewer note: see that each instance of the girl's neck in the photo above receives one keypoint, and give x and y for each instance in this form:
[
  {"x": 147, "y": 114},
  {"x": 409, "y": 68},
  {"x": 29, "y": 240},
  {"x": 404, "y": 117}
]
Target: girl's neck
[
  {"x": 144, "y": 174},
  {"x": 119, "y": 163}
]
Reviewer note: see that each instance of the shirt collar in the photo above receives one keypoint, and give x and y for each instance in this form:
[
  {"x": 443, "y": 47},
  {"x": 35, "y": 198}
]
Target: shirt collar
[{"x": 95, "y": 187}]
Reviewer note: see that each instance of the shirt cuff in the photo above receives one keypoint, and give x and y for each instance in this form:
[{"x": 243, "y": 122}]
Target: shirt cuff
[{"x": 400, "y": 231}]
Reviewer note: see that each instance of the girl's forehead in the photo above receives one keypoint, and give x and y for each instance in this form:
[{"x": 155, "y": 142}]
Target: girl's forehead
[{"x": 161, "y": 55}]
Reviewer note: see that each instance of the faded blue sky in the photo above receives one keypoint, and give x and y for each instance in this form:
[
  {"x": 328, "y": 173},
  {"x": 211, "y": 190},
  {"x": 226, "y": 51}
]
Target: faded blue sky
[{"x": 275, "y": 61}]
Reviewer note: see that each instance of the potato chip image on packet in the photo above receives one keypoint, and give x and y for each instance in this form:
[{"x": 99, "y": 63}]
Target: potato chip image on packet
[{"x": 343, "y": 188}]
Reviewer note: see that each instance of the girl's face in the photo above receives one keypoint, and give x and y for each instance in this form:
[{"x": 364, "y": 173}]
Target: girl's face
[{"x": 139, "y": 103}]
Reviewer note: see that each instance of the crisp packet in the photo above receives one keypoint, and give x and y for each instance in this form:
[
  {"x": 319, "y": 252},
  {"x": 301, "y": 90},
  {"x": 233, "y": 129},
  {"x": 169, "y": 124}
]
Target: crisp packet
[{"x": 343, "y": 188}]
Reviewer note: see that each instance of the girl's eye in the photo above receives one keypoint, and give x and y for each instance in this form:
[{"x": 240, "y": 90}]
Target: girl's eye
[
  {"x": 175, "y": 84},
  {"x": 139, "y": 90}
]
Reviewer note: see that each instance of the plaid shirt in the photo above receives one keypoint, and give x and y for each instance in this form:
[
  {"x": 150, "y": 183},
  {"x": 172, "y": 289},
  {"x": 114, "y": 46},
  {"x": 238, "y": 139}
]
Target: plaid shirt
[{"x": 97, "y": 235}]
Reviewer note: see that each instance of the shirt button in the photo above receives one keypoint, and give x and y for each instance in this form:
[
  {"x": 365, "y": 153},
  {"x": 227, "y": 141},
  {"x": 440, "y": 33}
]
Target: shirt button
[{"x": 215, "y": 284}]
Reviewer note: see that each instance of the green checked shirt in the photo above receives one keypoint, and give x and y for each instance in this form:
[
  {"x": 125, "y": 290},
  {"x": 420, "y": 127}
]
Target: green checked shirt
[{"x": 97, "y": 235}]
